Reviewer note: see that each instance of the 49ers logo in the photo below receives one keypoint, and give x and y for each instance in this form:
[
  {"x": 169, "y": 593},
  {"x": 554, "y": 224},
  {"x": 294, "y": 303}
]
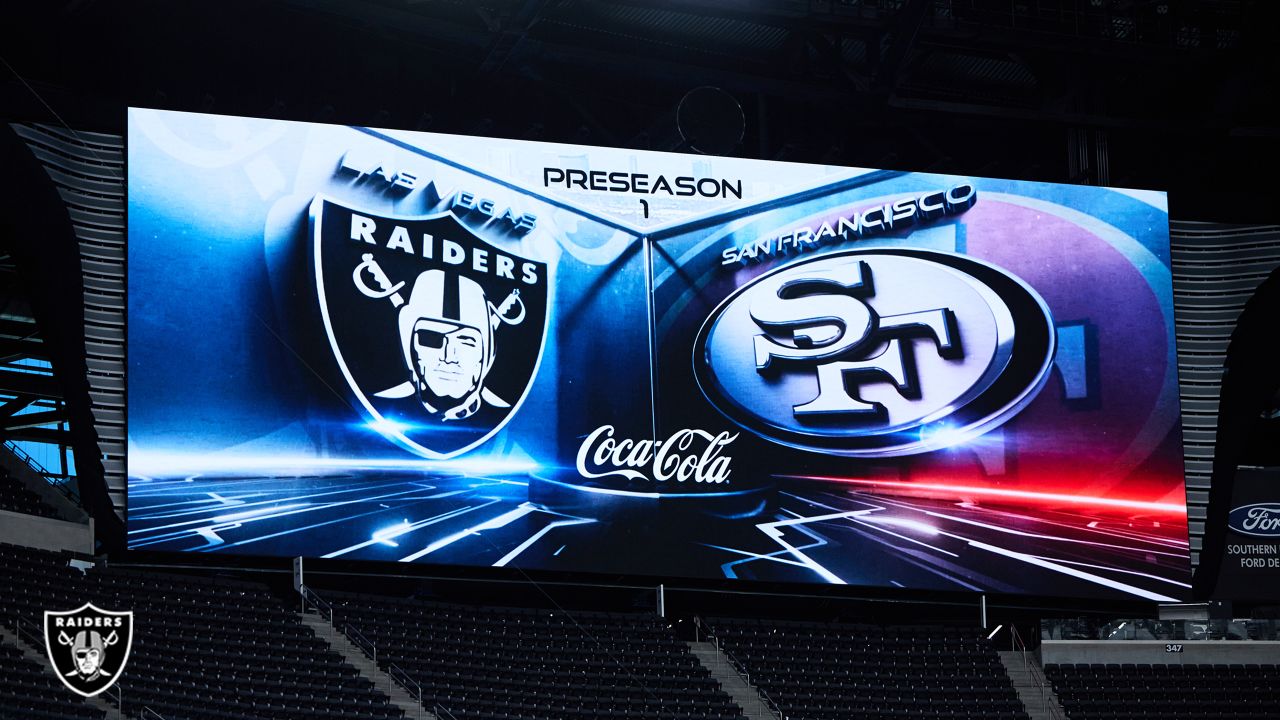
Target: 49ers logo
[
  {"x": 876, "y": 353},
  {"x": 438, "y": 332}
]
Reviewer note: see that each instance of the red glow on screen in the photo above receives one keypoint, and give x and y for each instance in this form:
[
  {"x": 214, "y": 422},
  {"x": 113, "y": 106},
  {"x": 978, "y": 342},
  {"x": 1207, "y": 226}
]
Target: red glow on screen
[{"x": 1051, "y": 498}]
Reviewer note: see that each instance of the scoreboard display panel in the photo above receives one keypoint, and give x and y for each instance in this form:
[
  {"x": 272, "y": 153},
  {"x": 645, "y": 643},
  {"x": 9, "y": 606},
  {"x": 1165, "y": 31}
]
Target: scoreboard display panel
[{"x": 356, "y": 343}]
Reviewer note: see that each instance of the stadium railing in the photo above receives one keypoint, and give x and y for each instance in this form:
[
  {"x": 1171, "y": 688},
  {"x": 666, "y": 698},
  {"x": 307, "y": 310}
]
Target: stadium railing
[
  {"x": 310, "y": 599},
  {"x": 701, "y": 628},
  {"x": 1036, "y": 673},
  {"x": 442, "y": 712},
  {"x": 357, "y": 638},
  {"x": 1152, "y": 629},
  {"x": 59, "y": 484},
  {"x": 28, "y": 632},
  {"x": 410, "y": 685},
  {"x": 349, "y": 631},
  {"x": 370, "y": 650}
]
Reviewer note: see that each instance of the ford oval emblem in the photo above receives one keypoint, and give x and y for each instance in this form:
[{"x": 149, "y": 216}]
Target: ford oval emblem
[
  {"x": 876, "y": 353},
  {"x": 1259, "y": 519}
]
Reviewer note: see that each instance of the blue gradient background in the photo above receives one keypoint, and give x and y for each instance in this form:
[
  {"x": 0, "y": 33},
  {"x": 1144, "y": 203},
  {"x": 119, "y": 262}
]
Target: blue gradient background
[{"x": 226, "y": 358}]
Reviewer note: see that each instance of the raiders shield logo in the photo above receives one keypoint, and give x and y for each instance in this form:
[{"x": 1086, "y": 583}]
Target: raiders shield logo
[
  {"x": 88, "y": 647},
  {"x": 438, "y": 332}
]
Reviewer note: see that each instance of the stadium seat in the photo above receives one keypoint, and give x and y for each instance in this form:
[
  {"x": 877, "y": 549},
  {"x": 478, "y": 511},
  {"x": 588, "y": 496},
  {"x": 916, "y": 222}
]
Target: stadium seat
[
  {"x": 816, "y": 671},
  {"x": 205, "y": 648},
  {"x": 1176, "y": 692},
  {"x": 587, "y": 665}
]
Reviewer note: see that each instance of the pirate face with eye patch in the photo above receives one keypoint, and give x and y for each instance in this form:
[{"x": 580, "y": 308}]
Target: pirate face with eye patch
[
  {"x": 446, "y": 332},
  {"x": 448, "y": 359},
  {"x": 87, "y": 649}
]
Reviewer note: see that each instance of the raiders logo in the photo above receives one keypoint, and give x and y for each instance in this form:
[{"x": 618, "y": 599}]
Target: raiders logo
[
  {"x": 88, "y": 647},
  {"x": 438, "y": 332}
]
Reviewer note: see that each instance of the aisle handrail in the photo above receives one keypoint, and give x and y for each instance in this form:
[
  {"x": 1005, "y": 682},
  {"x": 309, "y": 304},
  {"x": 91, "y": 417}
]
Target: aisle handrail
[
  {"x": 1034, "y": 671},
  {"x": 322, "y": 607},
  {"x": 370, "y": 650},
  {"x": 701, "y": 625},
  {"x": 60, "y": 484}
]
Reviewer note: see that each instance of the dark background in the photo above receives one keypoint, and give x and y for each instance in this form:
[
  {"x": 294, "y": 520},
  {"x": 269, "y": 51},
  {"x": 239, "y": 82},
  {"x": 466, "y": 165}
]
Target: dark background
[
  {"x": 1176, "y": 96},
  {"x": 1154, "y": 94}
]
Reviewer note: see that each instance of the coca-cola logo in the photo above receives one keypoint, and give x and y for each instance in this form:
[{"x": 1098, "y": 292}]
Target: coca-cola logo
[
  {"x": 1259, "y": 519},
  {"x": 689, "y": 455}
]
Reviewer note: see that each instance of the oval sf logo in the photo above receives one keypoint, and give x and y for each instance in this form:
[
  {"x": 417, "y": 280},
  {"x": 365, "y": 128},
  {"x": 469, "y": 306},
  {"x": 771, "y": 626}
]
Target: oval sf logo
[{"x": 876, "y": 353}]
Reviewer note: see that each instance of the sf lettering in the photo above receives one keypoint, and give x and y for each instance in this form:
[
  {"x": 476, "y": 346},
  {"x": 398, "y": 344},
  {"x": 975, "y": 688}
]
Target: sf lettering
[{"x": 822, "y": 323}]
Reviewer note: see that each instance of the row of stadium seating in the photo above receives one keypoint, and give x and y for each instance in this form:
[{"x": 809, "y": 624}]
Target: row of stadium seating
[
  {"x": 217, "y": 648},
  {"x": 213, "y": 648},
  {"x": 505, "y": 663},
  {"x": 28, "y": 691},
  {"x": 203, "y": 648},
  {"x": 1110, "y": 671},
  {"x": 16, "y": 497},
  {"x": 823, "y": 671},
  {"x": 1176, "y": 692}
]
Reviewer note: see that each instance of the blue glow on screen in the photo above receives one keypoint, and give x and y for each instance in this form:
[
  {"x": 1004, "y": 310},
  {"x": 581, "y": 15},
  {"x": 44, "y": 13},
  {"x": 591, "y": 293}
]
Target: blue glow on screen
[{"x": 373, "y": 344}]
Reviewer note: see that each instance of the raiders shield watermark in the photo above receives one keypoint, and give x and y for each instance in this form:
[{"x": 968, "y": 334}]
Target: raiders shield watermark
[
  {"x": 88, "y": 647},
  {"x": 438, "y": 332}
]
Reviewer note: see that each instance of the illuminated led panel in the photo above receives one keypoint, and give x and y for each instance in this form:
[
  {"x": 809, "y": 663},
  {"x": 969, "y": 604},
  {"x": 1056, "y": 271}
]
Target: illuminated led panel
[{"x": 374, "y": 344}]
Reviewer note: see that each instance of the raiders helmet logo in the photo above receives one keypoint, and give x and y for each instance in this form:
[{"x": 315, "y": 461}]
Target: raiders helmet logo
[
  {"x": 88, "y": 647},
  {"x": 438, "y": 332}
]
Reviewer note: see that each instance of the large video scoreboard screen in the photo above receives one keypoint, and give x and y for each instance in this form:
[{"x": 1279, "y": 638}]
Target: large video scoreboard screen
[{"x": 373, "y": 344}]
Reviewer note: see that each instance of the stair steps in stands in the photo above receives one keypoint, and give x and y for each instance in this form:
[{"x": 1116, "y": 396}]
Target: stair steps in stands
[
  {"x": 731, "y": 681},
  {"x": 1033, "y": 688},
  {"x": 113, "y": 712},
  {"x": 413, "y": 710}
]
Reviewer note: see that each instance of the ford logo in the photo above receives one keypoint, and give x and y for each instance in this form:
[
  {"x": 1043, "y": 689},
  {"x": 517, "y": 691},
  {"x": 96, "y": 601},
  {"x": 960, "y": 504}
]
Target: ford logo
[
  {"x": 1259, "y": 519},
  {"x": 876, "y": 353}
]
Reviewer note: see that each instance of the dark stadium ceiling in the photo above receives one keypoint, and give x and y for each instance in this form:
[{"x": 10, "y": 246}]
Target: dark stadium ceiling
[{"x": 1176, "y": 95}]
